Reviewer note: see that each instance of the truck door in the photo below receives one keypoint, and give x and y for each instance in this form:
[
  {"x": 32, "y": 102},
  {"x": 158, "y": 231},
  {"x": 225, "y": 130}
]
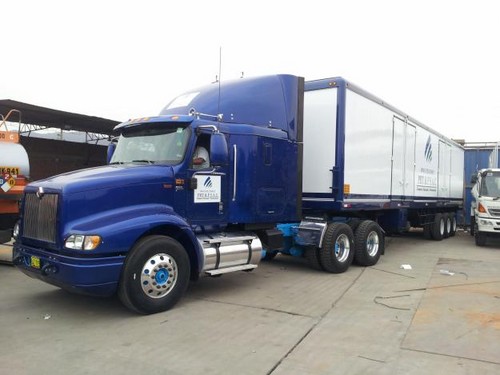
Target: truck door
[
  {"x": 403, "y": 158},
  {"x": 207, "y": 198}
]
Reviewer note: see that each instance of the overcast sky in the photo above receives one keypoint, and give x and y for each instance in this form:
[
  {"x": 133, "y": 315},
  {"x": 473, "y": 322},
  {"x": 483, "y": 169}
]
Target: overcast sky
[{"x": 438, "y": 60}]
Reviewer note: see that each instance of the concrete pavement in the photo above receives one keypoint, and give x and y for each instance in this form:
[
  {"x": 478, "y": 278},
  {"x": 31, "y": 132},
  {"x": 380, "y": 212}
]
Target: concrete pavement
[{"x": 282, "y": 318}]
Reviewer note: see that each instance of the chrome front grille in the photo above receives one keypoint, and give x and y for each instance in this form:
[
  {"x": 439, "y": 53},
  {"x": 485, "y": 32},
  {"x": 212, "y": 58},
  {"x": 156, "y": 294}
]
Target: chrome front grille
[
  {"x": 40, "y": 217},
  {"x": 494, "y": 212}
]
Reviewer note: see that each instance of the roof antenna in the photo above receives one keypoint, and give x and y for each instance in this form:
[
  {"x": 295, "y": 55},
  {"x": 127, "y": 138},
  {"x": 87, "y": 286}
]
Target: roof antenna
[{"x": 219, "y": 115}]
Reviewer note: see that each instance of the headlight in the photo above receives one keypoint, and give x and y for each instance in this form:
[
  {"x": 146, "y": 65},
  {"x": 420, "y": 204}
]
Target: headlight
[
  {"x": 485, "y": 222},
  {"x": 81, "y": 242}
]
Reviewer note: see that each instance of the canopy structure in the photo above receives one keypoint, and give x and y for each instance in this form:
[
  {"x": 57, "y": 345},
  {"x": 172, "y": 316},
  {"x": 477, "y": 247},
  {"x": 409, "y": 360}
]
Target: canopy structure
[{"x": 33, "y": 117}]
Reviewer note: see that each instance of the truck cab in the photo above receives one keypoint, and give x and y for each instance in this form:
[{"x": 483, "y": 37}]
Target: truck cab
[
  {"x": 485, "y": 207},
  {"x": 153, "y": 218}
]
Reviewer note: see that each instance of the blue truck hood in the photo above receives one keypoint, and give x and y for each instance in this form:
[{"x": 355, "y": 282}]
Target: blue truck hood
[
  {"x": 87, "y": 197},
  {"x": 105, "y": 177}
]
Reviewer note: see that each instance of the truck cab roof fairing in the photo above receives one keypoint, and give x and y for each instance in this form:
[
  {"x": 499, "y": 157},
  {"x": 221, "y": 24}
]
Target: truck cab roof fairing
[{"x": 267, "y": 101}]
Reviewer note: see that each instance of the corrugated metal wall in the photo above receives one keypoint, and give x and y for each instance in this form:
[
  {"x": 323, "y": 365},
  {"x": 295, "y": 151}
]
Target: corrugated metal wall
[{"x": 50, "y": 157}]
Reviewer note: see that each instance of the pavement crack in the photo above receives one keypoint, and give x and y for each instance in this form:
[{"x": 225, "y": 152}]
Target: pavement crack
[
  {"x": 444, "y": 286},
  {"x": 372, "y": 359},
  {"x": 315, "y": 324},
  {"x": 392, "y": 273},
  {"x": 449, "y": 356},
  {"x": 377, "y": 299},
  {"x": 257, "y": 307}
]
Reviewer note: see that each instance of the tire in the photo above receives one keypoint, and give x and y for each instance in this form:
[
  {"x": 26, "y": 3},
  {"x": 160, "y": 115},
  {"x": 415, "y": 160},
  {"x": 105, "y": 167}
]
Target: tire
[
  {"x": 447, "y": 225},
  {"x": 428, "y": 231},
  {"x": 480, "y": 238},
  {"x": 472, "y": 225},
  {"x": 270, "y": 255},
  {"x": 437, "y": 228},
  {"x": 155, "y": 275},
  {"x": 354, "y": 223},
  {"x": 368, "y": 243},
  {"x": 312, "y": 256},
  {"x": 337, "y": 252},
  {"x": 453, "y": 218}
]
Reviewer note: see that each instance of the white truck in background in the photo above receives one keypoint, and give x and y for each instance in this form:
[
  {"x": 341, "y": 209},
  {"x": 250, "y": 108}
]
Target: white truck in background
[{"x": 485, "y": 207}]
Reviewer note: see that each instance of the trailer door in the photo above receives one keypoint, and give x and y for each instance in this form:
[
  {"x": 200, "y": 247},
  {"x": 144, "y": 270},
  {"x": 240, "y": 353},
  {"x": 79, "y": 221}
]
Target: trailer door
[
  {"x": 403, "y": 159},
  {"x": 444, "y": 169},
  {"x": 410, "y": 146}
]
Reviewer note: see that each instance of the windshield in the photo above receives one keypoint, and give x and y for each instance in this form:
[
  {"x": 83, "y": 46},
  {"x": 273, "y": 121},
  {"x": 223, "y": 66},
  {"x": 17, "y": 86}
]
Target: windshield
[
  {"x": 156, "y": 144},
  {"x": 490, "y": 184}
]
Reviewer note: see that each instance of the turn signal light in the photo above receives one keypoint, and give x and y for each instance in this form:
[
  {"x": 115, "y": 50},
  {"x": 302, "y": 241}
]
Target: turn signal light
[{"x": 481, "y": 208}]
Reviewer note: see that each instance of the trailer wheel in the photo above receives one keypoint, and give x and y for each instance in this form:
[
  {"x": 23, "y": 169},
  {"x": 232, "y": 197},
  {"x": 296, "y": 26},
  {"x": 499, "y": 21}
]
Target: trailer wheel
[
  {"x": 155, "y": 275},
  {"x": 447, "y": 225},
  {"x": 312, "y": 256},
  {"x": 368, "y": 243},
  {"x": 438, "y": 226},
  {"x": 337, "y": 252},
  {"x": 480, "y": 238},
  {"x": 428, "y": 231},
  {"x": 453, "y": 224},
  {"x": 354, "y": 223}
]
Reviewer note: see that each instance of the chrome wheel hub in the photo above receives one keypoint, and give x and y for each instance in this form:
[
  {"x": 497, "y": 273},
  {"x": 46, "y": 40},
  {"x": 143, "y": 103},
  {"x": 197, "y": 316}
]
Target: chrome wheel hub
[
  {"x": 159, "y": 275},
  {"x": 342, "y": 248},
  {"x": 372, "y": 243}
]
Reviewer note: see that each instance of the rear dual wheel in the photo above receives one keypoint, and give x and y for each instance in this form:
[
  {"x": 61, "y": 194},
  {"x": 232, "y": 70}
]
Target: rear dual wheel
[
  {"x": 453, "y": 218},
  {"x": 341, "y": 247},
  {"x": 438, "y": 227},
  {"x": 368, "y": 243},
  {"x": 337, "y": 252},
  {"x": 444, "y": 226}
]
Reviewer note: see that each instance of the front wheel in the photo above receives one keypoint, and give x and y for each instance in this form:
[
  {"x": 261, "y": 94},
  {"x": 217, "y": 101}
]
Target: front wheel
[
  {"x": 480, "y": 238},
  {"x": 155, "y": 275}
]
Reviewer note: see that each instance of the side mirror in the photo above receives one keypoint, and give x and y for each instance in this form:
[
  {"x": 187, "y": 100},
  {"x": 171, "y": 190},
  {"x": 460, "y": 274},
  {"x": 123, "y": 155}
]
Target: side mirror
[
  {"x": 111, "y": 149},
  {"x": 218, "y": 150},
  {"x": 473, "y": 178}
]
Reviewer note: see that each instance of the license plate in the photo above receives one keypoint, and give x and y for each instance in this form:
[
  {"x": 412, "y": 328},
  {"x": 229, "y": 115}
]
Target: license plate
[{"x": 35, "y": 262}]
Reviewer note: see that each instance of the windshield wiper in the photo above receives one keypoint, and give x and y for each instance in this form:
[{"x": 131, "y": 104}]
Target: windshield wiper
[
  {"x": 496, "y": 198},
  {"x": 117, "y": 162}
]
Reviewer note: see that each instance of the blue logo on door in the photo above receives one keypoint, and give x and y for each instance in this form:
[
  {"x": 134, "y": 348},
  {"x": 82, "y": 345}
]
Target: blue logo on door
[
  {"x": 208, "y": 183},
  {"x": 428, "y": 150}
]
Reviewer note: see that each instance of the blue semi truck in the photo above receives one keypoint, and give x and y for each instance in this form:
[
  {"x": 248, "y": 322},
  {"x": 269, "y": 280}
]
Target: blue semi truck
[{"x": 320, "y": 169}]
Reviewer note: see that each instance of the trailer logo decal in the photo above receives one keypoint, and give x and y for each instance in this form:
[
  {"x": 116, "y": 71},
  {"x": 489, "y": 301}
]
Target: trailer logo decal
[
  {"x": 428, "y": 150},
  {"x": 208, "y": 190}
]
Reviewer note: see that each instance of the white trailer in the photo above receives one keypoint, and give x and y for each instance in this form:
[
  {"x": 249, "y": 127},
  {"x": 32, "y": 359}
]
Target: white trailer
[{"x": 364, "y": 158}]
